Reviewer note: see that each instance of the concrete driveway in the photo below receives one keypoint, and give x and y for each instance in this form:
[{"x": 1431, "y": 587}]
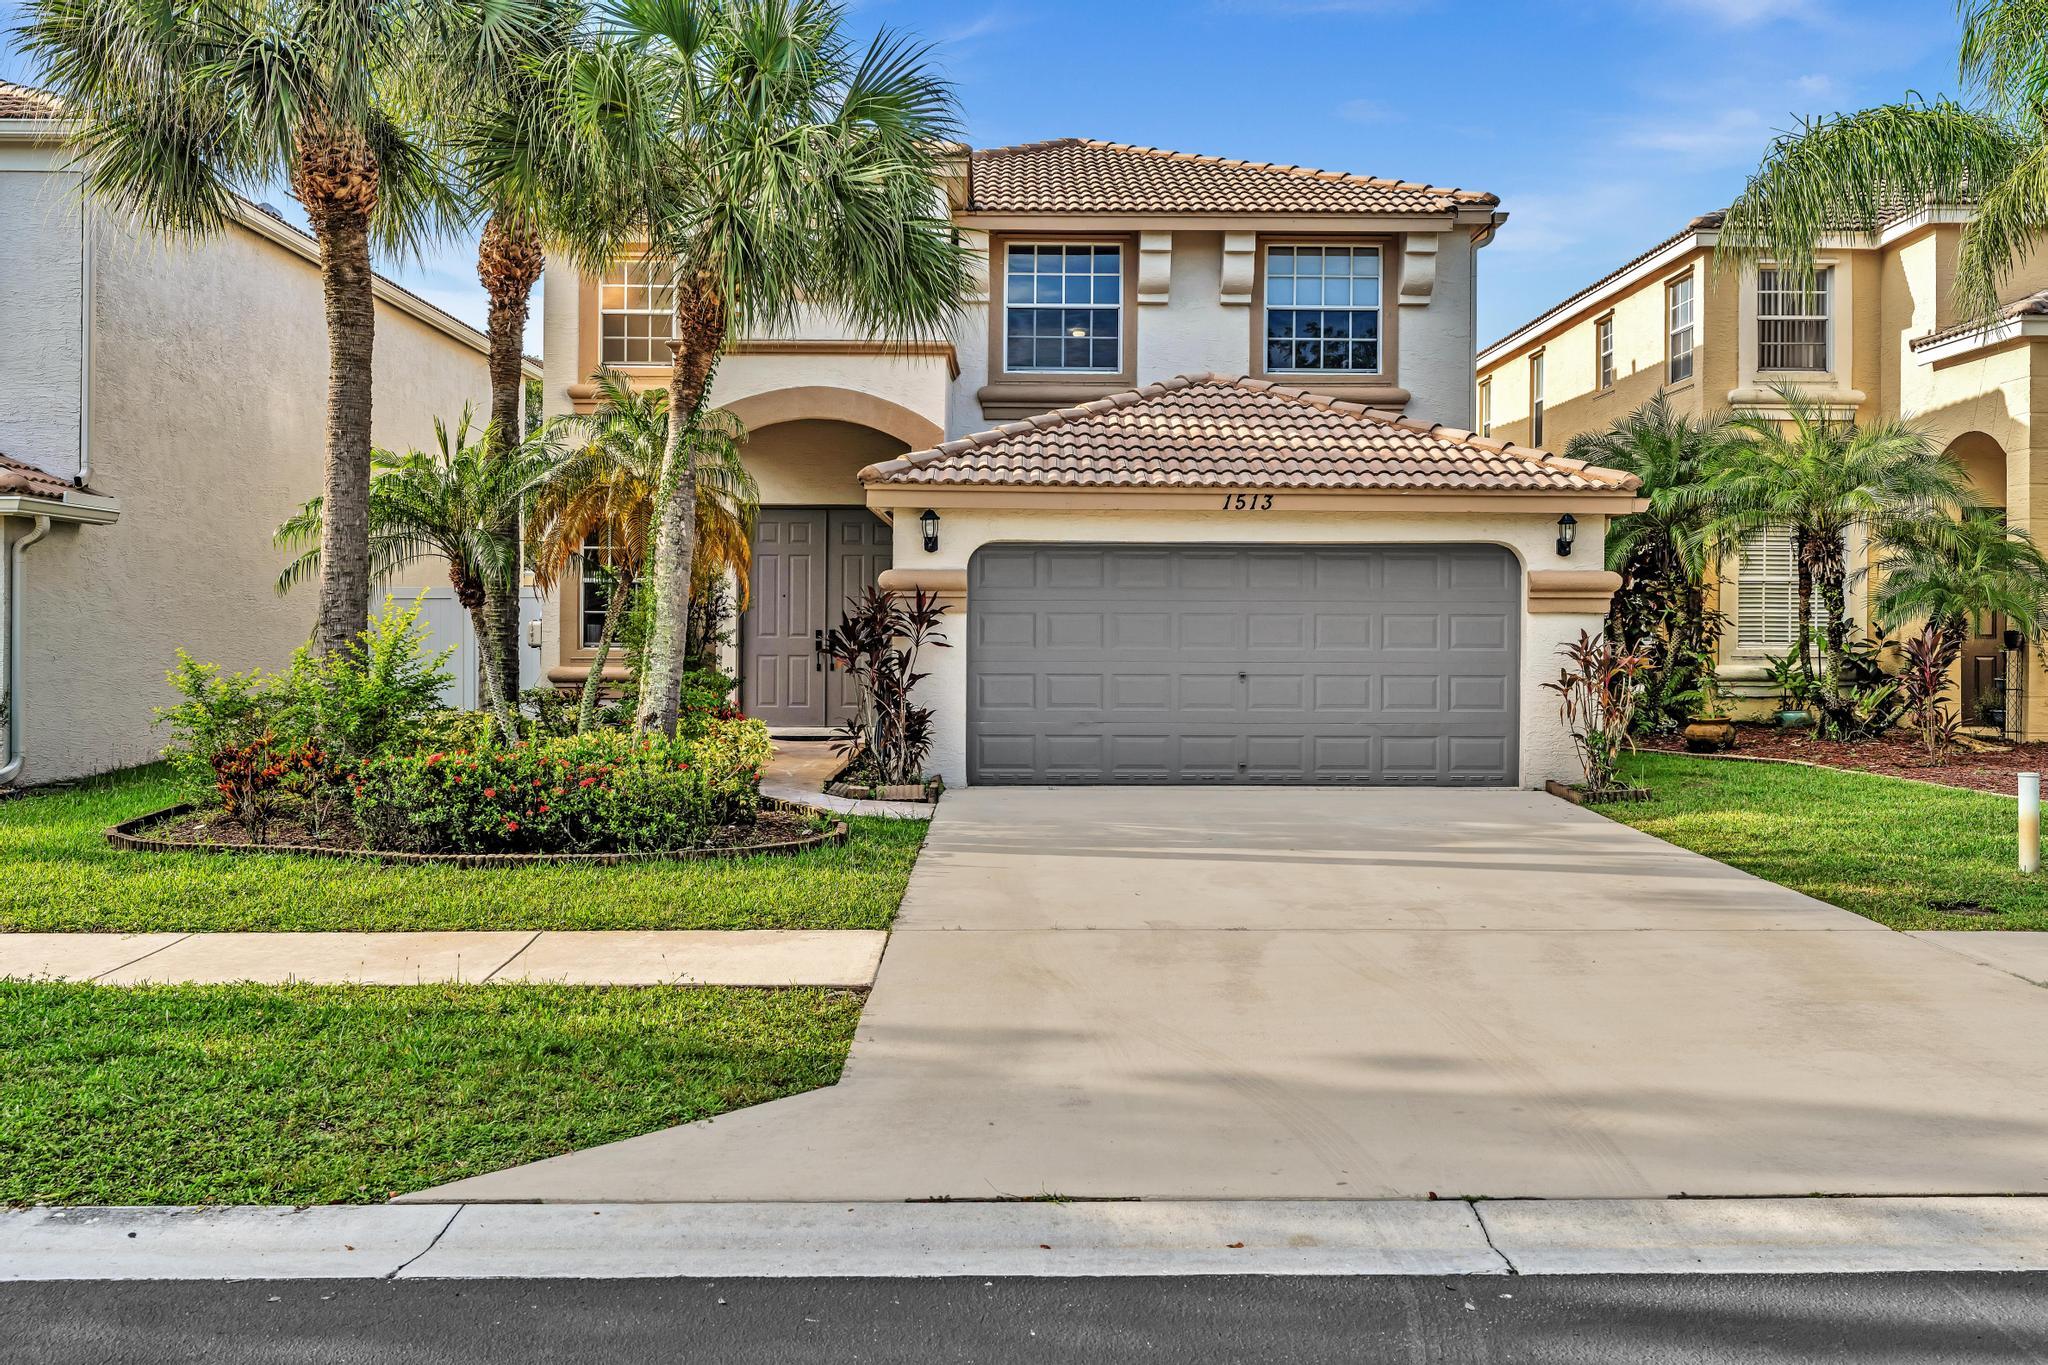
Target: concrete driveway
[{"x": 1270, "y": 993}]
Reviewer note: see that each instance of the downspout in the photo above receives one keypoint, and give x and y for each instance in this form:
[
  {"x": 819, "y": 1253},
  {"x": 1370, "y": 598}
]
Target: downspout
[
  {"x": 85, "y": 343},
  {"x": 11, "y": 596}
]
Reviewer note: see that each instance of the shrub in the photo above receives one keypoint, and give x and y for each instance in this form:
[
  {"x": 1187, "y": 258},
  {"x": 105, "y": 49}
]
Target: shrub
[
  {"x": 1599, "y": 689},
  {"x": 605, "y": 791},
  {"x": 877, "y": 643},
  {"x": 380, "y": 694}
]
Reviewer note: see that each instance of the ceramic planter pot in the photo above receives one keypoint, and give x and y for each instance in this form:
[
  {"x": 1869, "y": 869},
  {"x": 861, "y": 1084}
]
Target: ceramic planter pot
[{"x": 1710, "y": 736}]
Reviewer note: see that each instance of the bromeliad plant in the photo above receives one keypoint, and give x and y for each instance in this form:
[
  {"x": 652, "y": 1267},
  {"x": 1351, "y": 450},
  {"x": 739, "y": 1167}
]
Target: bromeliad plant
[
  {"x": 1599, "y": 689},
  {"x": 877, "y": 644}
]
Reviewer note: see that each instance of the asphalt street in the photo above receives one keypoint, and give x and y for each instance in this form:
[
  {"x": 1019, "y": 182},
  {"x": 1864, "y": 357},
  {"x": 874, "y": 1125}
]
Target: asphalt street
[{"x": 1301, "y": 1320}]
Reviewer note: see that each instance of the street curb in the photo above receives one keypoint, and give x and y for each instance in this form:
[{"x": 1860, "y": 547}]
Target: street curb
[{"x": 1276, "y": 1237}]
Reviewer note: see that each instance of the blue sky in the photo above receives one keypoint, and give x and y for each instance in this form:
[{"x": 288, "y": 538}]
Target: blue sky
[{"x": 1602, "y": 124}]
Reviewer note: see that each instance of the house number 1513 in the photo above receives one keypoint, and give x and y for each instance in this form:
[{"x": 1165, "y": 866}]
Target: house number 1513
[{"x": 1247, "y": 502}]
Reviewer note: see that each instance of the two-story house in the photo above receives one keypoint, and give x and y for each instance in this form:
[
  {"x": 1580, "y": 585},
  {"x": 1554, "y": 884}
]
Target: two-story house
[
  {"x": 1194, "y": 471},
  {"x": 1876, "y": 337}
]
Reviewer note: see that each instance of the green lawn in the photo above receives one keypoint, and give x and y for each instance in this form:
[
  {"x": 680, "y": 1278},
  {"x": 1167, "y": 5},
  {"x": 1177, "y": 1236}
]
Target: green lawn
[
  {"x": 351, "y": 1094},
  {"x": 61, "y": 875},
  {"x": 1889, "y": 849}
]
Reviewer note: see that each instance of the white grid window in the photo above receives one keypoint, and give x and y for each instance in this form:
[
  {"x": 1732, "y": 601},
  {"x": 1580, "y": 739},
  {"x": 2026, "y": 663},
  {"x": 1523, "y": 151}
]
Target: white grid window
[
  {"x": 1323, "y": 309},
  {"x": 1536, "y": 399},
  {"x": 1767, "y": 591},
  {"x": 1603, "y": 346},
  {"x": 596, "y": 593},
  {"x": 1486, "y": 407},
  {"x": 637, "y": 312},
  {"x": 1678, "y": 338},
  {"x": 1063, "y": 308},
  {"x": 1791, "y": 322}
]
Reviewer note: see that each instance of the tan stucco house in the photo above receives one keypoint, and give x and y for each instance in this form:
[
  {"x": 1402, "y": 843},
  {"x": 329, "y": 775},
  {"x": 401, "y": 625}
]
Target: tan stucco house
[
  {"x": 1879, "y": 337},
  {"x": 1194, "y": 471},
  {"x": 162, "y": 409}
]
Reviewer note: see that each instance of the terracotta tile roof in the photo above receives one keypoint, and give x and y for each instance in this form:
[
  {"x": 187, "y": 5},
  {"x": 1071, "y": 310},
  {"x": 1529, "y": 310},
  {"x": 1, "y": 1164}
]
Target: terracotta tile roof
[
  {"x": 1228, "y": 431},
  {"x": 1083, "y": 175},
  {"x": 21, "y": 101},
  {"x": 2032, "y": 306},
  {"x": 25, "y": 480}
]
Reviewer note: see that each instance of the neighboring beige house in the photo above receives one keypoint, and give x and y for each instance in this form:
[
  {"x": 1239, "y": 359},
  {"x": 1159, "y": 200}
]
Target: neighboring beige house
[
  {"x": 162, "y": 410},
  {"x": 1878, "y": 338},
  {"x": 1194, "y": 471}
]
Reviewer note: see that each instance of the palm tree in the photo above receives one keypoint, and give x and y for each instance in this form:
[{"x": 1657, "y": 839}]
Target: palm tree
[
  {"x": 179, "y": 107},
  {"x": 1818, "y": 478},
  {"x": 800, "y": 169},
  {"x": 548, "y": 137},
  {"x": 446, "y": 503},
  {"x": 1664, "y": 552},
  {"x": 1847, "y": 172},
  {"x": 605, "y": 492},
  {"x": 1949, "y": 573}
]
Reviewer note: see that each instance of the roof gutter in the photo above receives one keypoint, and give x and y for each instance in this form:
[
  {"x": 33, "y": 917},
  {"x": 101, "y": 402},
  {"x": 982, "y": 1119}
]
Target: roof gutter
[{"x": 11, "y": 571}]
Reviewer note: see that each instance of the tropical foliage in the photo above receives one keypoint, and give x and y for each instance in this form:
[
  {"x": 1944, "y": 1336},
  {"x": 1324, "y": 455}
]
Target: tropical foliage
[
  {"x": 877, "y": 643},
  {"x": 796, "y": 168},
  {"x": 1598, "y": 690},
  {"x": 1849, "y": 172},
  {"x": 1950, "y": 572}
]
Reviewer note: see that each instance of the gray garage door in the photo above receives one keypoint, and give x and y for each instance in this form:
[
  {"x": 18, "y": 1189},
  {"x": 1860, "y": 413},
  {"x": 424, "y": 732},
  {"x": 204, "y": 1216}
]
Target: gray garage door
[{"x": 1380, "y": 665}]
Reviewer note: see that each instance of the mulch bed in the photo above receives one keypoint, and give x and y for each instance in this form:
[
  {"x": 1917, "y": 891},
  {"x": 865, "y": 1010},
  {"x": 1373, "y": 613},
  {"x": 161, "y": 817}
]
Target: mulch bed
[
  {"x": 779, "y": 828},
  {"x": 1895, "y": 755}
]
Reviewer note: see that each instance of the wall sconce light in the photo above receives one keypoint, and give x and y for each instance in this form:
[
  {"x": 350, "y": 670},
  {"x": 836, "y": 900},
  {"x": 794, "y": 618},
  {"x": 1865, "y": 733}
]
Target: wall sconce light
[
  {"x": 930, "y": 522},
  {"x": 1567, "y": 532}
]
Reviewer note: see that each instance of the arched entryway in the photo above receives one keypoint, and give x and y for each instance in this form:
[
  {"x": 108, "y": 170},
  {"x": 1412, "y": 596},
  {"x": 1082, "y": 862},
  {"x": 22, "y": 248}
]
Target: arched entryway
[
  {"x": 815, "y": 545},
  {"x": 1980, "y": 675}
]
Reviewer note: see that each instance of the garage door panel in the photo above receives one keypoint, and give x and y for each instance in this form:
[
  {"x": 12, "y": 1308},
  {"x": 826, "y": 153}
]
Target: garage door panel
[{"x": 1340, "y": 664}]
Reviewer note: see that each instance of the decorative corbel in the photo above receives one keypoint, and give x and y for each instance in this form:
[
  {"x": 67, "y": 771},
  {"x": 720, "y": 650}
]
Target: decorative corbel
[
  {"x": 1418, "y": 269},
  {"x": 1240, "y": 254},
  {"x": 1155, "y": 267}
]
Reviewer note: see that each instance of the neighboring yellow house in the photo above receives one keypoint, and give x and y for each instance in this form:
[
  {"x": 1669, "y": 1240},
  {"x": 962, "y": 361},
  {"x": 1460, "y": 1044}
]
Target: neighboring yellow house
[{"x": 1880, "y": 337}]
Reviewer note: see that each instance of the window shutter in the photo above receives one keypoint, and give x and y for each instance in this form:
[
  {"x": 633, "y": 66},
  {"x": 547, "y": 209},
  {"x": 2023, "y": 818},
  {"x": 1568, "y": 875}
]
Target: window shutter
[{"x": 1767, "y": 591}]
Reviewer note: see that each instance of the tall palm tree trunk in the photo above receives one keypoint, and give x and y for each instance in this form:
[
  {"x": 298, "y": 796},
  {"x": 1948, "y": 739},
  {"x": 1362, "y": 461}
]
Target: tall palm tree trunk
[
  {"x": 509, "y": 263},
  {"x": 593, "y": 686},
  {"x": 1805, "y": 617},
  {"x": 700, "y": 334},
  {"x": 336, "y": 180}
]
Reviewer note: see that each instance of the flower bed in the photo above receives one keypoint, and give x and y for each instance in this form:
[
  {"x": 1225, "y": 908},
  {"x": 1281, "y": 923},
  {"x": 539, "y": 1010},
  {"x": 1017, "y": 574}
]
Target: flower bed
[{"x": 1895, "y": 755}]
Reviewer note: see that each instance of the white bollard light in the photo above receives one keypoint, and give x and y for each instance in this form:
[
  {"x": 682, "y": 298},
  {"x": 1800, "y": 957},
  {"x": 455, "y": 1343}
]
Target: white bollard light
[{"x": 2030, "y": 822}]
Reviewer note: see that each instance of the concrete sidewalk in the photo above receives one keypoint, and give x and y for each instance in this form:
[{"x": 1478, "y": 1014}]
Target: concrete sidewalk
[
  {"x": 698, "y": 957},
  {"x": 1308, "y": 1237},
  {"x": 799, "y": 770}
]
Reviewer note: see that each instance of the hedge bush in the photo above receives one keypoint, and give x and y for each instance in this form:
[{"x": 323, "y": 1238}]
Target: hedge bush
[{"x": 605, "y": 791}]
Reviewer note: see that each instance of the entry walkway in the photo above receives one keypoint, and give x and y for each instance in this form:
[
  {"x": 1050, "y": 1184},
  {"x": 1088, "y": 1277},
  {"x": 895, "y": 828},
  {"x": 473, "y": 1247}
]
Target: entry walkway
[
  {"x": 704, "y": 957},
  {"x": 1319, "y": 994}
]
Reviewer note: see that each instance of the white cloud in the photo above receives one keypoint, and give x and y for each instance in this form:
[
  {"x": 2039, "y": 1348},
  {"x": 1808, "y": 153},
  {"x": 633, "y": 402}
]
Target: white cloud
[
  {"x": 1751, "y": 13},
  {"x": 1369, "y": 111},
  {"x": 1728, "y": 135}
]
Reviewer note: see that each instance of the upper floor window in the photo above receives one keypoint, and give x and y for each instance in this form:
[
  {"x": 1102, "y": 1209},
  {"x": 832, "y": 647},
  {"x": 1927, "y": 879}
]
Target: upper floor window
[
  {"x": 1603, "y": 351},
  {"x": 1678, "y": 330},
  {"x": 1323, "y": 309},
  {"x": 1063, "y": 307},
  {"x": 1792, "y": 322},
  {"x": 1486, "y": 407},
  {"x": 1536, "y": 399},
  {"x": 637, "y": 312}
]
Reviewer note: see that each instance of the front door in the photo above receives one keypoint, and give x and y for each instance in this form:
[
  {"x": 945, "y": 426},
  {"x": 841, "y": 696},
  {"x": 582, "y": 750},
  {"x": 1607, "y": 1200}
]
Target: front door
[
  {"x": 1983, "y": 669},
  {"x": 807, "y": 562}
]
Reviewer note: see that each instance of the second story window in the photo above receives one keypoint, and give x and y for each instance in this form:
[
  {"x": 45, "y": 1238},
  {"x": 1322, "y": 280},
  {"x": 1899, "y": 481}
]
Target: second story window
[
  {"x": 1063, "y": 308},
  {"x": 637, "y": 312},
  {"x": 1486, "y": 407},
  {"x": 1603, "y": 351},
  {"x": 1792, "y": 322},
  {"x": 1536, "y": 399},
  {"x": 1678, "y": 331},
  {"x": 1323, "y": 309}
]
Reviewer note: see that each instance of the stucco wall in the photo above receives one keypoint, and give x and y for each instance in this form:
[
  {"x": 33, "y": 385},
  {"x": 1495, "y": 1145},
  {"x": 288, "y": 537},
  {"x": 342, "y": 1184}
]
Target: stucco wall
[
  {"x": 41, "y": 332},
  {"x": 1546, "y": 748},
  {"x": 208, "y": 417}
]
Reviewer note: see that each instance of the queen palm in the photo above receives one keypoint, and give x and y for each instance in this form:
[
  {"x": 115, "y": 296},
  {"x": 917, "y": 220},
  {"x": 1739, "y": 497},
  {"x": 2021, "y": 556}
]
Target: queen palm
[
  {"x": 800, "y": 169},
  {"x": 1847, "y": 172},
  {"x": 1665, "y": 551},
  {"x": 178, "y": 107},
  {"x": 1817, "y": 479},
  {"x": 601, "y": 499},
  {"x": 447, "y": 503},
  {"x": 547, "y": 137},
  {"x": 1950, "y": 572}
]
